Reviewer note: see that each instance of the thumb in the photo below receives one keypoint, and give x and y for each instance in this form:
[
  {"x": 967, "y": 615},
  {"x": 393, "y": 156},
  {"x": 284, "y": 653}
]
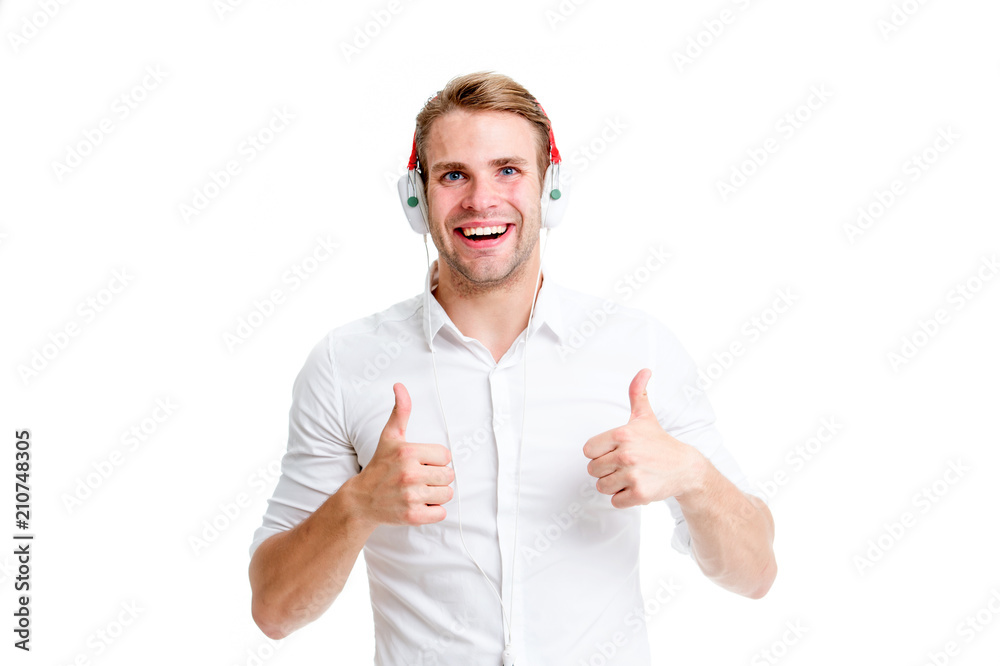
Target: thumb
[
  {"x": 395, "y": 427},
  {"x": 637, "y": 397}
]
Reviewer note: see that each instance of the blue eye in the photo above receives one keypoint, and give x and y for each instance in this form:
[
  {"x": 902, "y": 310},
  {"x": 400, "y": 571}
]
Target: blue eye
[
  {"x": 448, "y": 175},
  {"x": 512, "y": 171}
]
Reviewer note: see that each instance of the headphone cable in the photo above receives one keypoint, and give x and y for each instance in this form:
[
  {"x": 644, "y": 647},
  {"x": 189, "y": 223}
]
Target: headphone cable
[{"x": 508, "y": 655}]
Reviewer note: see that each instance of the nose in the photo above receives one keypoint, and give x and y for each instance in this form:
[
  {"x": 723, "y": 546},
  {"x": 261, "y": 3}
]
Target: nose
[{"x": 481, "y": 194}]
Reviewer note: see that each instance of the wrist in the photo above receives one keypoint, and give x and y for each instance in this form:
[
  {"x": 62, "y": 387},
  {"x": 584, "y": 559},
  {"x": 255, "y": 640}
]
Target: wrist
[
  {"x": 356, "y": 505},
  {"x": 701, "y": 474}
]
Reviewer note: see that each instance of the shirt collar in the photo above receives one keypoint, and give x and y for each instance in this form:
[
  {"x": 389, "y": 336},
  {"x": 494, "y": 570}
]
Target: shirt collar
[{"x": 548, "y": 307}]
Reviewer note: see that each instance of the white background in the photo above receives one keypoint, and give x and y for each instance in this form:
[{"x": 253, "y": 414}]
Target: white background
[{"x": 672, "y": 131}]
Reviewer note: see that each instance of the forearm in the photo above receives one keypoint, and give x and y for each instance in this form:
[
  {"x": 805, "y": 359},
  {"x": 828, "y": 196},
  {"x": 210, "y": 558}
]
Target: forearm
[
  {"x": 731, "y": 534},
  {"x": 296, "y": 575}
]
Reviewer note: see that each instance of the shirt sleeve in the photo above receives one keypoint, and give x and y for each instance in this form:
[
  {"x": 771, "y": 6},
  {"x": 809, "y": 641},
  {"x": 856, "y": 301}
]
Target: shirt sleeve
[
  {"x": 683, "y": 410},
  {"x": 319, "y": 457}
]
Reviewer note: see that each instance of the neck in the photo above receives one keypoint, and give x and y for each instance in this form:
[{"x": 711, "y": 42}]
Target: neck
[{"x": 495, "y": 315}]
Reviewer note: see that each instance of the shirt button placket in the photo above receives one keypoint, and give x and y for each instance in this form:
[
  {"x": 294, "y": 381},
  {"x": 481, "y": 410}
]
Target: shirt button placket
[{"x": 506, "y": 472}]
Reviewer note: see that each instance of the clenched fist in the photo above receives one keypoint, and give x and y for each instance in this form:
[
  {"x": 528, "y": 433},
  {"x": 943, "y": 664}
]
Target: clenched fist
[{"x": 405, "y": 483}]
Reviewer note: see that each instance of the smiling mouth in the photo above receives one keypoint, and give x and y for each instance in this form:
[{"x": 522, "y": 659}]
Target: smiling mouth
[{"x": 484, "y": 233}]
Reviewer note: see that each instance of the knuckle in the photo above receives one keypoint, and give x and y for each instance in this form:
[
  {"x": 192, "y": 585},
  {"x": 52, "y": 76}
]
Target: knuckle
[
  {"x": 411, "y": 495},
  {"x": 624, "y": 500}
]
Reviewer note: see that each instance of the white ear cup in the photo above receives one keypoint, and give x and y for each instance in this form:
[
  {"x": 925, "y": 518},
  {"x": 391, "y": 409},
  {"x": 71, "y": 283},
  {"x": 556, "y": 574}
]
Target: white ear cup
[
  {"x": 411, "y": 190},
  {"x": 553, "y": 208}
]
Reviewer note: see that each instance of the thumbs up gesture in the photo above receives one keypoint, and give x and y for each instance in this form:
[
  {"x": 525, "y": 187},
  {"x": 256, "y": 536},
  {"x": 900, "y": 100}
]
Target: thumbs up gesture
[
  {"x": 639, "y": 463},
  {"x": 405, "y": 483}
]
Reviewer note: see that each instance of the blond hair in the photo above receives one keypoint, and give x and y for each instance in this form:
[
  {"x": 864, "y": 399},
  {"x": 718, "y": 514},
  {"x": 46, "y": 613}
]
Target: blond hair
[{"x": 484, "y": 91}]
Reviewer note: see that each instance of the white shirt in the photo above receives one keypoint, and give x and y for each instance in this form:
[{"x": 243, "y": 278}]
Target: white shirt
[{"x": 576, "y": 582}]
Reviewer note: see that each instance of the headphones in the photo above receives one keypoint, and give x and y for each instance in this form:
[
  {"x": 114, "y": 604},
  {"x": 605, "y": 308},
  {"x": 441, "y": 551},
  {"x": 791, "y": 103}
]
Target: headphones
[{"x": 412, "y": 196}]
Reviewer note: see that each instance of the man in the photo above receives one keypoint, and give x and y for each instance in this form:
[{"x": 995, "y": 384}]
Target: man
[{"x": 550, "y": 451}]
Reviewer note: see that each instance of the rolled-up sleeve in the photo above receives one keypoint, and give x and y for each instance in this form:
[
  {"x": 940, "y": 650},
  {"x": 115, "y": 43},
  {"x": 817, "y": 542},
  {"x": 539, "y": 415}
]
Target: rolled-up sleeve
[
  {"x": 319, "y": 457},
  {"x": 684, "y": 411}
]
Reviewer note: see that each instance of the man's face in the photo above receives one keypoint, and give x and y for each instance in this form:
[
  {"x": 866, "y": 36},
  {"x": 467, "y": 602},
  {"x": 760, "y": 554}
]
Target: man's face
[{"x": 483, "y": 175}]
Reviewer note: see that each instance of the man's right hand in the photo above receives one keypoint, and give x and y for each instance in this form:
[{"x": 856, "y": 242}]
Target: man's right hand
[{"x": 404, "y": 483}]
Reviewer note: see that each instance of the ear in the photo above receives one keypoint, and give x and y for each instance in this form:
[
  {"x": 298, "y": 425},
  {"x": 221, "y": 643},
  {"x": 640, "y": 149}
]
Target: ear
[{"x": 411, "y": 195}]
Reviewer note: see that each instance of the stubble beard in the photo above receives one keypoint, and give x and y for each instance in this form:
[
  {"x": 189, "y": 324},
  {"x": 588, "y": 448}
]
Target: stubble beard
[{"x": 468, "y": 284}]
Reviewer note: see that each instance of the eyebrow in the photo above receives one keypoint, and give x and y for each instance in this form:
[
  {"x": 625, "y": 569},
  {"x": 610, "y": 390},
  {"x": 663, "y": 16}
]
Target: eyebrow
[{"x": 441, "y": 167}]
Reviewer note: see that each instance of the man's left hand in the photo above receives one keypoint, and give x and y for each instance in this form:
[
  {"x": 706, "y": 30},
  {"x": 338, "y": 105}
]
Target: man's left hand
[{"x": 639, "y": 463}]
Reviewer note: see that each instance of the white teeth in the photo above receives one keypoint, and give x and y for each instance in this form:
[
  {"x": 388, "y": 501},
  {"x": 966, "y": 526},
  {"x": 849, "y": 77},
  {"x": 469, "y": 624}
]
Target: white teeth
[{"x": 482, "y": 231}]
